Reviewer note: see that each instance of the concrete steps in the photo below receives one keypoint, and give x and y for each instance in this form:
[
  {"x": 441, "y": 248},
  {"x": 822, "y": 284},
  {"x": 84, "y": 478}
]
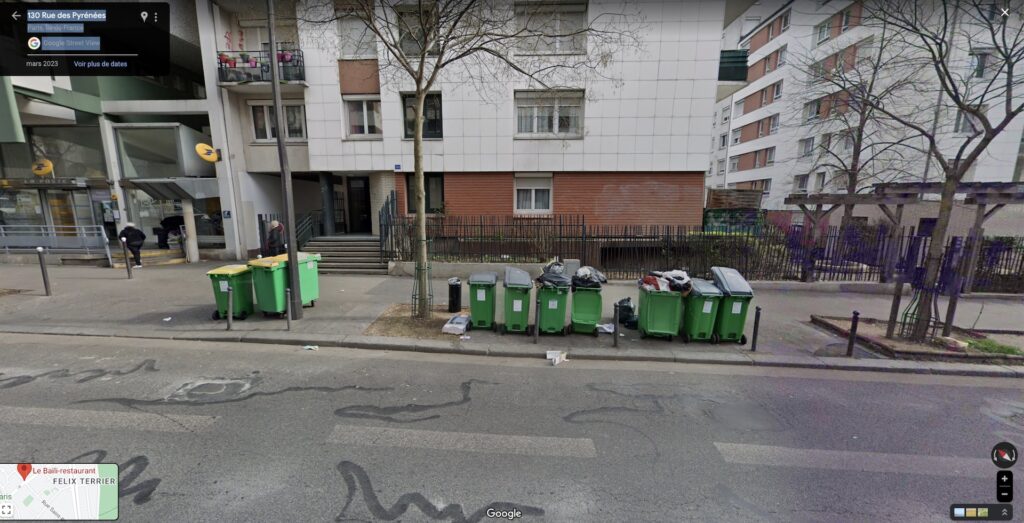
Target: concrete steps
[
  {"x": 151, "y": 257},
  {"x": 345, "y": 255}
]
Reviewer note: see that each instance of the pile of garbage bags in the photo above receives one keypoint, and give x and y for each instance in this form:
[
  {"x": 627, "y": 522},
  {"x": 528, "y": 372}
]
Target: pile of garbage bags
[
  {"x": 674, "y": 280},
  {"x": 627, "y": 313},
  {"x": 588, "y": 278},
  {"x": 554, "y": 276}
]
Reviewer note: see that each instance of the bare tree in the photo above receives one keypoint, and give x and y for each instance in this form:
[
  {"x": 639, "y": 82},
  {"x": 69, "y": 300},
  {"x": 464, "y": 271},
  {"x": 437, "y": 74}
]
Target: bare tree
[
  {"x": 484, "y": 42},
  {"x": 970, "y": 52},
  {"x": 856, "y": 143}
]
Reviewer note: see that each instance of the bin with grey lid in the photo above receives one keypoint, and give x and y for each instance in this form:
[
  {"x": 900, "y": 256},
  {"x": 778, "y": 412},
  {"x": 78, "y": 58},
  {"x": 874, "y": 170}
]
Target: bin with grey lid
[
  {"x": 517, "y": 300},
  {"x": 700, "y": 309},
  {"x": 732, "y": 313}
]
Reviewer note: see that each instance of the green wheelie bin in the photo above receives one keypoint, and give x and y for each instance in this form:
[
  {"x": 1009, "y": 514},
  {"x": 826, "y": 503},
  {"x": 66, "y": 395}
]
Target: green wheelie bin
[
  {"x": 517, "y": 301},
  {"x": 586, "y": 310},
  {"x": 551, "y": 317},
  {"x": 309, "y": 277},
  {"x": 270, "y": 279},
  {"x": 732, "y": 313},
  {"x": 239, "y": 279},
  {"x": 659, "y": 313},
  {"x": 699, "y": 311},
  {"x": 481, "y": 300}
]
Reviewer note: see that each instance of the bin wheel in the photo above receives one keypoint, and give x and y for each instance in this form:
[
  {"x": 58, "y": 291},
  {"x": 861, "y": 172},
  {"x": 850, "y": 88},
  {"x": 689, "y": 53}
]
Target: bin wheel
[
  {"x": 243, "y": 315},
  {"x": 715, "y": 338},
  {"x": 686, "y": 337},
  {"x": 669, "y": 337},
  {"x": 594, "y": 332},
  {"x": 312, "y": 303},
  {"x": 216, "y": 315},
  {"x": 502, "y": 329},
  {"x": 743, "y": 339}
]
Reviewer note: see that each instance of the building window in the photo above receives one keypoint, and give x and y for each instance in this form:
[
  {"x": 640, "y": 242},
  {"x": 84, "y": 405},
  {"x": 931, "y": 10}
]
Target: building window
[
  {"x": 819, "y": 183},
  {"x": 264, "y": 121},
  {"x": 967, "y": 123},
  {"x": 764, "y": 97},
  {"x": 785, "y": 22},
  {"x": 774, "y": 124},
  {"x": 433, "y": 188},
  {"x": 847, "y": 17},
  {"x": 771, "y": 30},
  {"x": 735, "y": 136},
  {"x": 432, "y": 121},
  {"x": 800, "y": 183},
  {"x": 725, "y": 114},
  {"x": 782, "y": 57},
  {"x": 533, "y": 194},
  {"x": 734, "y": 164},
  {"x": 551, "y": 113},
  {"x": 363, "y": 117},
  {"x": 806, "y": 147},
  {"x": 778, "y": 91},
  {"x": 551, "y": 28},
  {"x": 766, "y": 184},
  {"x": 760, "y": 128},
  {"x": 823, "y": 32},
  {"x": 721, "y": 167},
  {"x": 723, "y": 140},
  {"x": 412, "y": 35},
  {"x": 812, "y": 111},
  {"x": 737, "y": 109},
  {"x": 980, "y": 63},
  {"x": 769, "y": 157},
  {"x": 356, "y": 41}
]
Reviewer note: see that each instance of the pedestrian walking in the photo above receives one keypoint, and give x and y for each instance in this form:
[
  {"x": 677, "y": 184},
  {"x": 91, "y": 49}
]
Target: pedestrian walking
[
  {"x": 133, "y": 240},
  {"x": 275, "y": 238}
]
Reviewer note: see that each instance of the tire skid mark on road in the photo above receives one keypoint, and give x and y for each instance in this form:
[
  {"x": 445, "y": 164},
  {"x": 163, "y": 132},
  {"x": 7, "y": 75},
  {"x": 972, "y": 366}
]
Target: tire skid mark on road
[{"x": 396, "y": 413}]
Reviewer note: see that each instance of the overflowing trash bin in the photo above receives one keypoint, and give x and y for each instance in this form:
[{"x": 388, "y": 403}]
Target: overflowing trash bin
[
  {"x": 517, "y": 300},
  {"x": 481, "y": 300},
  {"x": 270, "y": 279},
  {"x": 552, "y": 296},
  {"x": 700, "y": 308},
  {"x": 659, "y": 310},
  {"x": 586, "y": 300},
  {"x": 238, "y": 278},
  {"x": 732, "y": 313}
]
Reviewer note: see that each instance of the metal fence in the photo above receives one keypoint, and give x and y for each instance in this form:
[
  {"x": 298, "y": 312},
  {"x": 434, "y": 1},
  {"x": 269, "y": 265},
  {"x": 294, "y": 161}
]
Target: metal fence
[
  {"x": 1000, "y": 266},
  {"x": 71, "y": 238}
]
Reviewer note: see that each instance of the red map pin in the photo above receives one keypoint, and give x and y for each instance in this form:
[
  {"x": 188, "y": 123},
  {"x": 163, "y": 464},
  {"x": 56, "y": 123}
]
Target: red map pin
[{"x": 24, "y": 469}]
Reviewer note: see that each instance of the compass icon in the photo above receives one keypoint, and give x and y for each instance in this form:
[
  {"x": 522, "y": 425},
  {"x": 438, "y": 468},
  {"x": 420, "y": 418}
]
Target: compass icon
[{"x": 1004, "y": 455}]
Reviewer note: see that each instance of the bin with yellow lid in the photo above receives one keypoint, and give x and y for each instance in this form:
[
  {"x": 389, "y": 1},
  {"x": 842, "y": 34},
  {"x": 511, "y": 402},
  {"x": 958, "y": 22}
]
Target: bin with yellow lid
[
  {"x": 239, "y": 279},
  {"x": 270, "y": 279}
]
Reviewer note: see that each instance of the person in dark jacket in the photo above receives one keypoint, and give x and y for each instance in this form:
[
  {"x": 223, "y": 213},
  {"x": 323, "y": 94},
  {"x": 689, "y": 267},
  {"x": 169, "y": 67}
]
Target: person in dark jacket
[
  {"x": 133, "y": 239},
  {"x": 169, "y": 226},
  {"x": 275, "y": 238}
]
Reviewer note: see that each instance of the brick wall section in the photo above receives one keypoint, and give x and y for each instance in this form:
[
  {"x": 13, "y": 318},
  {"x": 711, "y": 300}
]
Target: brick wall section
[
  {"x": 761, "y": 38},
  {"x": 471, "y": 194},
  {"x": 753, "y": 101},
  {"x": 631, "y": 198}
]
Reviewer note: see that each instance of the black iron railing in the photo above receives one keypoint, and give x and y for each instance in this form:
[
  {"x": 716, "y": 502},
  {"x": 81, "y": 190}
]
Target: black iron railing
[{"x": 254, "y": 66}]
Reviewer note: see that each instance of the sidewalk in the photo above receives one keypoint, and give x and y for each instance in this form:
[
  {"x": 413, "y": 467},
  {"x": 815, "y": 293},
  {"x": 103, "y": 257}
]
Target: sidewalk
[{"x": 102, "y": 302}]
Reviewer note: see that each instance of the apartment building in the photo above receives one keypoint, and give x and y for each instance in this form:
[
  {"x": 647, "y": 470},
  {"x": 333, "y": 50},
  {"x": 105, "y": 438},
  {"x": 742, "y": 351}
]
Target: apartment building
[{"x": 769, "y": 134}]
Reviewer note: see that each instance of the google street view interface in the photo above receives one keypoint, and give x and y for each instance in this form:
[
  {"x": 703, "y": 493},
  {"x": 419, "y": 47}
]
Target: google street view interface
[{"x": 534, "y": 260}]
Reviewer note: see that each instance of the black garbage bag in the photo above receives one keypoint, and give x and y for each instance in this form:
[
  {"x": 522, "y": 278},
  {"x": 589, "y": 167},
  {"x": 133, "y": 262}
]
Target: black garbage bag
[
  {"x": 627, "y": 313},
  {"x": 551, "y": 279},
  {"x": 588, "y": 278},
  {"x": 554, "y": 268}
]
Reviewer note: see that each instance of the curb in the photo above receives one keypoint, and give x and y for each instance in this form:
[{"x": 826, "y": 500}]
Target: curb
[{"x": 668, "y": 355}]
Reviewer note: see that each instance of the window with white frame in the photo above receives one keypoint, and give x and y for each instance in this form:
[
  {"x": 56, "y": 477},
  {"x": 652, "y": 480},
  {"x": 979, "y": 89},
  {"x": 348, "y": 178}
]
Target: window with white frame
[
  {"x": 806, "y": 147},
  {"x": 980, "y": 63},
  {"x": 847, "y": 142},
  {"x": 773, "y": 126},
  {"x": 264, "y": 121},
  {"x": 552, "y": 28},
  {"x": 533, "y": 194},
  {"x": 734, "y": 163},
  {"x": 723, "y": 140},
  {"x": 771, "y": 30},
  {"x": 362, "y": 116},
  {"x": 769, "y": 157},
  {"x": 800, "y": 183},
  {"x": 725, "y": 114},
  {"x": 356, "y": 40},
  {"x": 414, "y": 38},
  {"x": 549, "y": 114},
  {"x": 812, "y": 110},
  {"x": 721, "y": 167},
  {"x": 823, "y": 32},
  {"x": 764, "y": 97},
  {"x": 819, "y": 181},
  {"x": 967, "y": 123},
  {"x": 778, "y": 91},
  {"x": 782, "y": 57},
  {"x": 735, "y": 136},
  {"x": 847, "y": 19},
  {"x": 767, "y": 64},
  {"x": 785, "y": 21}
]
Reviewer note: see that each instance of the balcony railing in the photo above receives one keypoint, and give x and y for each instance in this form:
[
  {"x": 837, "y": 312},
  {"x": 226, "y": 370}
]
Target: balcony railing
[{"x": 254, "y": 66}]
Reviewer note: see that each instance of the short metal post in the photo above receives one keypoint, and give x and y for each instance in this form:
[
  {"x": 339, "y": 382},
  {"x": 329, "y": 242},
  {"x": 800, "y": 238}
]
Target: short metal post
[
  {"x": 757, "y": 324},
  {"x": 853, "y": 334},
  {"x": 288, "y": 306},
  {"x": 536, "y": 320},
  {"x": 124, "y": 251},
  {"x": 231, "y": 306},
  {"x": 46, "y": 274},
  {"x": 615, "y": 331}
]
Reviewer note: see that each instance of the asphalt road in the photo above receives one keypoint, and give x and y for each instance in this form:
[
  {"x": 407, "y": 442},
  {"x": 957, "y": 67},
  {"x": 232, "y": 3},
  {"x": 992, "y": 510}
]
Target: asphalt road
[{"x": 229, "y": 432}]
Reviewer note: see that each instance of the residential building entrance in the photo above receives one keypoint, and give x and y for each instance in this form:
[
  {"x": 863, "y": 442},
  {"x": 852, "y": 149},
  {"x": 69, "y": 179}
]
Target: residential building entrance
[{"x": 359, "y": 208}]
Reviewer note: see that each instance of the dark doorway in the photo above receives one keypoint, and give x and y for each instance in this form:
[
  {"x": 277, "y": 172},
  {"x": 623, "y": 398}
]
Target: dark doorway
[{"x": 359, "y": 205}]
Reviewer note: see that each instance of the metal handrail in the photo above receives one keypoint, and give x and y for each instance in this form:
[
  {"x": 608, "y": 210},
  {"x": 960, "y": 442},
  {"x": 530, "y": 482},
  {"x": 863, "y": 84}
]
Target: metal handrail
[{"x": 87, "y": 238}]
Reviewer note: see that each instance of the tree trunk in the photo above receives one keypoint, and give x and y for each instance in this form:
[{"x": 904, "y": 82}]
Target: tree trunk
[
  {"x": 419, "y": 197},
  {"x": 933, "y": 261}
]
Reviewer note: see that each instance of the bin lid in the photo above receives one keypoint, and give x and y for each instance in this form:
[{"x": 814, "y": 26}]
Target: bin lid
[
  {"x": 483, "y": 278},
  {"x": 704, "y": 288},
  {"x": 282, "y": 259},
  {"x": 731, "y": 282},
  {"x": 229, "y": 270},
  {"x": 306, "y": 256},
  {"x": 517, "y": 278}
]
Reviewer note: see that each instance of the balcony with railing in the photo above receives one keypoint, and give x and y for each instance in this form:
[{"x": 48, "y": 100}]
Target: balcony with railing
[{"x": 246, "y": 70}]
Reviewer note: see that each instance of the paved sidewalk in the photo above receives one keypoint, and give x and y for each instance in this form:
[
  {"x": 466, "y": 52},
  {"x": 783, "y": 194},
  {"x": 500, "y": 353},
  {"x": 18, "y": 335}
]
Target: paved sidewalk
[{"x": 175, "y": 302}]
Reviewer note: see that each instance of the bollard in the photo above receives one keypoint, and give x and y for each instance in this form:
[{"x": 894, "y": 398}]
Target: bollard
[
  {"x": 46, "y": 274},
  {"x": 536, "y": 320},
  {"x": 231, "y": 305},
  {"x": 853, "y": 334},
  {"x": 124, "y": 250},
  {"x": 615, "y": 331},
  {"x": 288, "y": 307},
  {"x": 757, "y": 324}
]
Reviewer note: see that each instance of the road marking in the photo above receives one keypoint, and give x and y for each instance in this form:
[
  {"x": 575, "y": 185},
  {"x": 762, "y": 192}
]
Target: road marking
[
  {"x": 854, "y": 460},
  {"x": 464, "y": 441},
  {"x": 105, "y": 419}
]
